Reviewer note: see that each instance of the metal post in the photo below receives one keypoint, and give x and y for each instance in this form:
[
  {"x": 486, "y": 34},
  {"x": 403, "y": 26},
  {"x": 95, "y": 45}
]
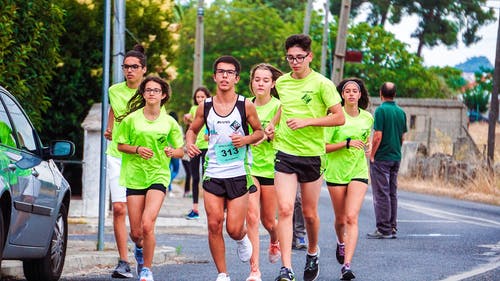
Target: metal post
[
  {"x": 324, "y": 45},
  {"x": 493, "y": 116},
  {"x": 307, "y": 17},
  {"x": 104, "y": 118},
  {"x": 198, "y": 49},
  {"x": 340, "y": 46},
  {"x": 118, "y": 40}
]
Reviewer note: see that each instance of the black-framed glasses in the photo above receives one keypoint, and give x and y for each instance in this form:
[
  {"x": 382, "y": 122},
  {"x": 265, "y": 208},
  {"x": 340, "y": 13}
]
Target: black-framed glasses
[
  {"x": 154, "y": 91},
  {"x": 228, "y": 72},
  {"x": 298, "y": 58},
  {"x": 130, "y": 66}
]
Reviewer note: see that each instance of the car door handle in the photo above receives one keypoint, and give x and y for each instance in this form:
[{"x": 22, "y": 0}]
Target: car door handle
[
  {"x": 35, "y": 173},
  {"x": 12, "y": 167}
]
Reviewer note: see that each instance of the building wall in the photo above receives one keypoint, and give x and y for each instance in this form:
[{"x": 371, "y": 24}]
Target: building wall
[{"x": 436, "y": 123}]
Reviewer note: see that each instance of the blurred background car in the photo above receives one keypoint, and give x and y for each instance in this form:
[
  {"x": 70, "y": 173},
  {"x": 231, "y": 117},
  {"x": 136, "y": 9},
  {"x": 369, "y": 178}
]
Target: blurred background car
[{"x": 34, "y": 196}]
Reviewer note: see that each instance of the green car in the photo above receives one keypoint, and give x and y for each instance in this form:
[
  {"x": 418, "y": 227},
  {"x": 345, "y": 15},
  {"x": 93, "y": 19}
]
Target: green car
[{"x": 34, "y": 196}]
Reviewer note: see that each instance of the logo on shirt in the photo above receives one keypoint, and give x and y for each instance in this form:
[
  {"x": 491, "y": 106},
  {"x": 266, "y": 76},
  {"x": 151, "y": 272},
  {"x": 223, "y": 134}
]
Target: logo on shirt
[
  {"x": 223, "y": 122},
  {"x": 306, "y": 98},
  {"x": 235, "y": 125}
]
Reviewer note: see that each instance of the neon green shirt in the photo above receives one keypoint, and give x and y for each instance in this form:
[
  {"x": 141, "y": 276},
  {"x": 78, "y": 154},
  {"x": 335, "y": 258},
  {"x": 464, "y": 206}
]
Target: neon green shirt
[
  {"x": 264, "y": 153},
  {"x": 201, "y": 143},
  {"x": 119, "y": 95},
  {"x": 309, "y": 97},
  {"x": 135, "y": 129},
  {"x": 344, "y": 164}
]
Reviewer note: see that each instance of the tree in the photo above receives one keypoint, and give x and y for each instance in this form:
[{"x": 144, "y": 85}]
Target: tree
[
  {"x": 440, "y": 22},
  {"x": 78, "y": 80},
  {"x": 248, "y": 30},
  {"x": 29, "y": 32},
  {"x": 387, "y": 59},
  {"x": 477, "y": 97}
]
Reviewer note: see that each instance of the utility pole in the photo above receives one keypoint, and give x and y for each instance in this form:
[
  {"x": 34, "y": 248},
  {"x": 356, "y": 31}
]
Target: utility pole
[
  {"x": 118, "y": 40},
  {"x": 104, "y": 118},
  {"x": 493, "y": 116},
  {"x": 198, "y": 48},
  {"x": 324, "y": 45},
  {"x": 340, "y": 46},
  {"x": 307, "y": 18}
]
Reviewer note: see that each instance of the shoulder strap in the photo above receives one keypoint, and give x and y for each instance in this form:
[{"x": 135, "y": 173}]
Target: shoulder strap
[
  {"x": 240, "y": 105},
  {"x": 208, "y": 103}
]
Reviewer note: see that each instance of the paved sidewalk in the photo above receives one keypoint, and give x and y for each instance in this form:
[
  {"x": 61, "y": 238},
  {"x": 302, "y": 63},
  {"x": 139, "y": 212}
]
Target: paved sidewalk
[{"x": 170, "y": 220}]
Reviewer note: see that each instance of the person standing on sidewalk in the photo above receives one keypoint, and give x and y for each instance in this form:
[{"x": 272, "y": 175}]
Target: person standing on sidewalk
[
  {"x": 200, "y": 94},
  {"x": 305, "y": 97},
  {"x": 134, "y": 68},
  {"x": 148, "y": 138},
  {"x": 346, "y": 174},
  {"x": 263, "y": 203},
  {"x": 299, "y": 227},
  {"x": 227, "y": 116},
  {"x": 389, "y": 129}
]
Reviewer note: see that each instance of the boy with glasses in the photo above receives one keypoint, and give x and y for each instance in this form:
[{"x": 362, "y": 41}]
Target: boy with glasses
[
  {"x": 134, "y": 69},
  {"x": 305, "y": 97},
  {"x": 226, "y": 116}
]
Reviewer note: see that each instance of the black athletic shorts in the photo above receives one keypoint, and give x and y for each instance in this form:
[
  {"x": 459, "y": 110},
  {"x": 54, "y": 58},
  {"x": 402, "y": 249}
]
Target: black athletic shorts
[
  {"x": 264, "y": 181},
  {"x": 307, "y": 168},
  {"x": 157, "y": 186},
  {"x": 229, "y": 188}
]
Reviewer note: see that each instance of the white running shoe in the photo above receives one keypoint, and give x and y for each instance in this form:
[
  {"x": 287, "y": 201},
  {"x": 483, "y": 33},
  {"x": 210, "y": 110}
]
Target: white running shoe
[
  {"x": 223, "y": 277},
  {"x": 146, "y": 275},
  {"x": 244, "y": 249}
]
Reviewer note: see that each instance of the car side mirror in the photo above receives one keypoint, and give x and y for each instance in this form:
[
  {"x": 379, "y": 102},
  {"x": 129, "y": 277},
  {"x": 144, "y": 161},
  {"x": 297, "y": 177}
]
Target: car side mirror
[{"x": 61, "y": 148}]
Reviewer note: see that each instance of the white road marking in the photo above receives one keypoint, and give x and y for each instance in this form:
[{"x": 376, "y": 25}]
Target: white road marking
[
  {"x": 448, "y": 215},
  {"x": 493, "y": 264}
]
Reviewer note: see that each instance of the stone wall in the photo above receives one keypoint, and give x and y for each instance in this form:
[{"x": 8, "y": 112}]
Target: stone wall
[{"x": 436, "y": 123}]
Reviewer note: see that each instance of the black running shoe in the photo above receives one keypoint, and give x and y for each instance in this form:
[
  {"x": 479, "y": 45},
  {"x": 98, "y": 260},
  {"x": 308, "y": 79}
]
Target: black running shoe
[
  {"x": 286, "y": 274},
  {"x": 311, "y": 271},
  {"x": 340, "y": 253},
  {"x": 346, "y": 273}
]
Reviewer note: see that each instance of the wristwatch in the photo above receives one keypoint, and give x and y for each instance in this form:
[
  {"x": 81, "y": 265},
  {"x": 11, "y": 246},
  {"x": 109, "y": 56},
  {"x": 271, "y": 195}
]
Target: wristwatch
[{"x": 348, "y": 142}]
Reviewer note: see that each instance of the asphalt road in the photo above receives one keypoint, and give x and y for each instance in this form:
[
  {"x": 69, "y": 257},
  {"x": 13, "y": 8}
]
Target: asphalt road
[{"x": 438, "y": 239}]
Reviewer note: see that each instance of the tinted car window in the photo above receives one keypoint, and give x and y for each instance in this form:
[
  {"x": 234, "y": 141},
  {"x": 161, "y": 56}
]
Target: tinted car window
[
  {"x": 25, "y": 134},
  {"x": 6, "y": 136}
]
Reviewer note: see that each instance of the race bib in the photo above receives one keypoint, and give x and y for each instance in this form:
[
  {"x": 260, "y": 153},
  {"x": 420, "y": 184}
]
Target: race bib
[{"x": 227, "y": 153}]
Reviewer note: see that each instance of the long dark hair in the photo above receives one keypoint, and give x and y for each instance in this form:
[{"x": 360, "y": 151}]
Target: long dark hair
[
  {"x": 204, "y": 90},
  {"x": 137, "y": 101},
  {"x": 363, "y": 100}
]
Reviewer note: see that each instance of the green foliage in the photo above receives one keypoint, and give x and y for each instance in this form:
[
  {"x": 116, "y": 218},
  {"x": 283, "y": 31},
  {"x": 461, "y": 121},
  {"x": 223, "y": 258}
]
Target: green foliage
[
  {"x": 152, "y": 23},
  {"x": 248, "y": 30},
  {"x": 477, "y": 97},
  {"x": 440, "y": 22},
  {"x": 78, "y": 80},
  {"x": 29, "y": 51},
  {"x": 387, "y": 59}
]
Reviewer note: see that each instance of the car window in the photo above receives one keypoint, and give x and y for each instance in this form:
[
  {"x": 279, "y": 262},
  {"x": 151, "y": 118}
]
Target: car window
[
  {"x": 6, "y": 136},
  {"x": 24, "y": 130}
]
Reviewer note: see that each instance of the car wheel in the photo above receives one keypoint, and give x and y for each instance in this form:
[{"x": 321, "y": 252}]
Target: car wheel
[{"x": 50, "y": 267}]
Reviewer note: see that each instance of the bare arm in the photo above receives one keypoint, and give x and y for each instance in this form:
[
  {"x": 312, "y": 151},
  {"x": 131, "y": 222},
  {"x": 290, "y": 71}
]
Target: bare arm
[
  {"x": 111, "y": 122},
  {"x": 270, "y": 128},
  {"x": 336, "y": 118},
  {"x": 253, "y": 120},
  {"x": 193, "y": 131},
  {"x": 377, "y": 138}
]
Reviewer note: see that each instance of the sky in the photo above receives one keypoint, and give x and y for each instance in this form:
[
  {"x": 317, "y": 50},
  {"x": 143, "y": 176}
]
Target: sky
[{"x": 441, "y": 55}]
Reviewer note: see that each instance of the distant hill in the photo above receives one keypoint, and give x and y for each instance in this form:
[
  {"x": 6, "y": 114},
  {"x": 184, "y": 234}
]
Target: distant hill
[{"x": 474, "y": 64}]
